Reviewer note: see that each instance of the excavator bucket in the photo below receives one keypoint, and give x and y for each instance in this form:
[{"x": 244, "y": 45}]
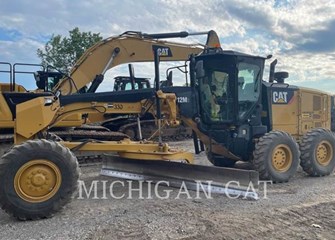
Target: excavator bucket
[{"x": 228, "y": 181}]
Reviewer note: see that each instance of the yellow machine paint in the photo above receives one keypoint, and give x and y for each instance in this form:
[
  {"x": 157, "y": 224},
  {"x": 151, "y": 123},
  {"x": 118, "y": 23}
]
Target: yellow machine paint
[
  {"x": 307, "y": 109},
  {"x": 6, "y": 118},
  {"x": 38, "y": 180},
  {"x": 6, "y": 87}
]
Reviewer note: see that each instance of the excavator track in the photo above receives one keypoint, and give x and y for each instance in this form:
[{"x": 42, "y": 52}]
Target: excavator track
[
  {"x": 149, "y": 131},
  {"x": 91, "y": 127},
  {"x": 89, "y": 133},
  {"x": 75, "y": 135}
]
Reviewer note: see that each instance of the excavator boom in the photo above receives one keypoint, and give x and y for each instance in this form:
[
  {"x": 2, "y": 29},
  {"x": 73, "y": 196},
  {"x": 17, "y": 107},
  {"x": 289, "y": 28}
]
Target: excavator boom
[{"x": 126, "y": 48}]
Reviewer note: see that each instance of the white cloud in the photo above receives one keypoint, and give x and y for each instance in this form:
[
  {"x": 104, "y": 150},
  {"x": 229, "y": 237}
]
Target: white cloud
[{"x": 23, "y": 50}]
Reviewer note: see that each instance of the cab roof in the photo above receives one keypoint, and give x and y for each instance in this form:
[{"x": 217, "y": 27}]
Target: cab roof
[{"x": 210, "y": 51}]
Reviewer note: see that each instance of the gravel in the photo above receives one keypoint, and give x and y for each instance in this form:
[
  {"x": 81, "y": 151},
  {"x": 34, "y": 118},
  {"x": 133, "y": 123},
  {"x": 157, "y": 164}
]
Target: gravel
[{"x": 304, "y": 208}]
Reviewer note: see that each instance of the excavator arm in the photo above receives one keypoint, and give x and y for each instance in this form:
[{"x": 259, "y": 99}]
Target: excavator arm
[{"x": 126, "y": 48}]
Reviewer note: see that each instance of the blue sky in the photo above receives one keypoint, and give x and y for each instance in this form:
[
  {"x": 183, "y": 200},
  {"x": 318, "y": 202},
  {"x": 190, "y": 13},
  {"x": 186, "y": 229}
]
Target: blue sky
[{"x": 299, "y": 33}]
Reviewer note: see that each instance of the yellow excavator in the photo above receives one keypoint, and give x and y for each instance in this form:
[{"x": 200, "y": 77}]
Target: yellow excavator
[
  {"x": 235, "y": 113},
  {"x": 90, "y": 70}
]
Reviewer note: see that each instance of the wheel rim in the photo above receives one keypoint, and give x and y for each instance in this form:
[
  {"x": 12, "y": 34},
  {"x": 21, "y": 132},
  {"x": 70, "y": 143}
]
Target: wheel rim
[
  {"x": 282, "y": 158},
  {"x": 37, "y": 180},
  {"x": 324, "y": 153}
]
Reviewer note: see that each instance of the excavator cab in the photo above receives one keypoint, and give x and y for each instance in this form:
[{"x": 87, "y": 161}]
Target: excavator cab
[
  {"x": 122, "y": 83},
  {"x": 46, "y": 80}
]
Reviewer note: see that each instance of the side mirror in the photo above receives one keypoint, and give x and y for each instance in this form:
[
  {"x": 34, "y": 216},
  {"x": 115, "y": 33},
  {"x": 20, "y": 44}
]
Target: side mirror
[
  {"x": 199, "y": 69},
  {"x": 169, "y": 79}
]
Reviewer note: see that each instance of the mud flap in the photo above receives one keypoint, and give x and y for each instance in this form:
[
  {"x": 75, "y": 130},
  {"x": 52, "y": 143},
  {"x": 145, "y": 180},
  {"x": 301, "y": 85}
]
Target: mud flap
[{"x": 230, "y": 182}]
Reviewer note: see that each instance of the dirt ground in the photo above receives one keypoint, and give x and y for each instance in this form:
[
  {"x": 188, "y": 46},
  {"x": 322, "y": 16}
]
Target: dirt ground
[{"x": 304, "y": 208}]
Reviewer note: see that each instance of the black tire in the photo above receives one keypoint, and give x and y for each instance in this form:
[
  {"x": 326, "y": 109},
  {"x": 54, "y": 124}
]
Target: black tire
[
  {"x": 220, "y": 161},
  {"x": 4, "y": 147},
  {"x": 11, "y": 165},
  {"x": 265, "y": 156},
  {"x": 315, "y": 142}
]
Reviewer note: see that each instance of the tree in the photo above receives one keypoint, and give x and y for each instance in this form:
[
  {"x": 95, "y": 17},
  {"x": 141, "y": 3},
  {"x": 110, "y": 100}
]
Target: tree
[{"x": 63, "y": 52}]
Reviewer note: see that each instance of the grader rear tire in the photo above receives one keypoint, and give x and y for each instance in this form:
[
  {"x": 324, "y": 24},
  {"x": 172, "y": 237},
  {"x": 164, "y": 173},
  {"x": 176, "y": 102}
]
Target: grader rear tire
[
  {"x": 276, "y": 156},
  {"x": 37, "y": 178},
  {"x": 317, "y": 152}
]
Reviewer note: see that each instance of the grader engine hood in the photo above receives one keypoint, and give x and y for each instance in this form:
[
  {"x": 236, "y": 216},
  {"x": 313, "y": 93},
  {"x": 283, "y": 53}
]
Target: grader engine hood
[{"x": 43, "y": 111}]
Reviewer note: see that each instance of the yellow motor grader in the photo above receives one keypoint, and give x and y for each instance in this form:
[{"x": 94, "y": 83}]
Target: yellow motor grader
[{"x": 235, "y": 113}]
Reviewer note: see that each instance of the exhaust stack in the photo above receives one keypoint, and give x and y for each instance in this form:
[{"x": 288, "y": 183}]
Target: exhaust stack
[{"x": 272, "y": 71}]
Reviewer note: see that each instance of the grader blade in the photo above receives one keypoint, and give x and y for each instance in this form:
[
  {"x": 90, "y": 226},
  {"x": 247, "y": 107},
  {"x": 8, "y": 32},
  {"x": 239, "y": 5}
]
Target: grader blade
[{"x": 230, "y": 182}]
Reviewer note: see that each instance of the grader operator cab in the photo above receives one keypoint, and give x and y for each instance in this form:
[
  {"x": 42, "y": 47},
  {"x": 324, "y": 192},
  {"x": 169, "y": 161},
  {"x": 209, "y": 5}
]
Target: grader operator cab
[
  {"x": 260, "y": 121},
  {"x": 235, "y": 114}
]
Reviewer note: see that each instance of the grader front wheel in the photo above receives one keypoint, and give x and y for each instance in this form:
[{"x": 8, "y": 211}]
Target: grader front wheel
[
  {"x": 37, "y": 178},
  {"x": 282, "y": 158},
  {"x": 276, "y": 156}
]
